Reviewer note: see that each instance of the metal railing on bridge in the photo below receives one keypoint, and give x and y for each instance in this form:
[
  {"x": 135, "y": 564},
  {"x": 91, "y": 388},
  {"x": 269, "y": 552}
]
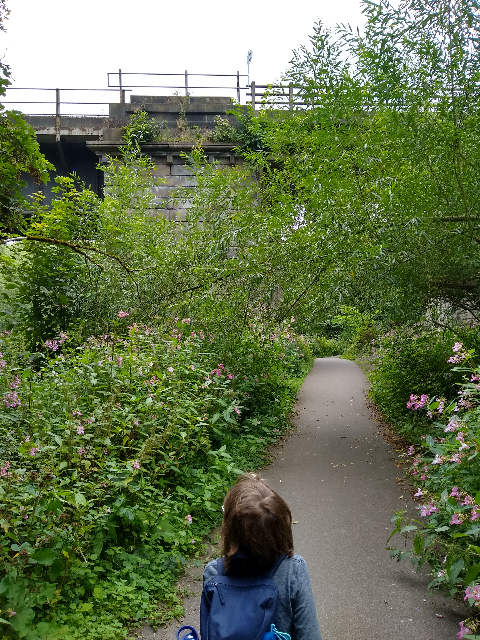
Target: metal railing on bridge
[{"x": 30, "y": 100}]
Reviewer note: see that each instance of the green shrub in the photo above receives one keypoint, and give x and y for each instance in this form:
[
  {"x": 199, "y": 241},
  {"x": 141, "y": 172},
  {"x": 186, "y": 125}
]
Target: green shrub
[
  {"x": 412, "y": 361},
  {"x": 445, "y": 469},
  {"x": 115, "y": 457},
  {"x": 141, "y": 128},
  {"x": 323, "y": 347}
]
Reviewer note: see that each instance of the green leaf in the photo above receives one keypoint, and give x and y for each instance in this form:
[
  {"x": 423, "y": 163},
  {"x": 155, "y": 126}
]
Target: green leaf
[
  {"x": 457, "y": 566},
  {"x": 409, "y": 527},
  {"x": 98, "y": 593},
  {"x": 80, "y": 499},
  {"x": 472, "y": 573},
  {"x": 418, "y": 543},
  {"x": 44, "y": 556}
]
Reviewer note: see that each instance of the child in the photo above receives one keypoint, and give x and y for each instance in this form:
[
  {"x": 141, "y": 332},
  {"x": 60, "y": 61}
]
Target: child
[{"x": 256, "y": 531}]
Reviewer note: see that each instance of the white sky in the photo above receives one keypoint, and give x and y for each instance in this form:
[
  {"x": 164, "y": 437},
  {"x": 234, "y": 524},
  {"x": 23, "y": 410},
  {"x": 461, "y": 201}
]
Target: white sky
[{"x": 61, "y": 43}]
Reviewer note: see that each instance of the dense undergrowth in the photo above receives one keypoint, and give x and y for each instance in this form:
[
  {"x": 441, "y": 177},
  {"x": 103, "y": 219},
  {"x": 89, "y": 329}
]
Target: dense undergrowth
[
  {"x": 427, "y": 383},
  {"x": 116, "y": 455}
]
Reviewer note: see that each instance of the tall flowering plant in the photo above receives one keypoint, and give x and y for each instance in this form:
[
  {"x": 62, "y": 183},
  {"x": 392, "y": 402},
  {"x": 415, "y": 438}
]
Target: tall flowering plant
[{"x": 445, "y": 467}]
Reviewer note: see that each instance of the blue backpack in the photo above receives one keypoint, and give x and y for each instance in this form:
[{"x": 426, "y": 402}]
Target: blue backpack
[{"x": 239, "y": 608}]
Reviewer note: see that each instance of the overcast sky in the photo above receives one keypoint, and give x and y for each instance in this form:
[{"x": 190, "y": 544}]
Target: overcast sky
[{"x": 61, "y": 43}]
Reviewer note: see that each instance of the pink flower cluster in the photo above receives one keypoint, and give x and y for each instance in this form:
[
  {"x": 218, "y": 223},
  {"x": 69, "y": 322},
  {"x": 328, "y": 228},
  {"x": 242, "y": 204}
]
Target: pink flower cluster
[
  {"x": 123, "y": 314},
  {"x": 415, "y": 402},
  {"x": 12, "y": 400},
  {"x": 4, "y": 471},
  {"x": 428, "y": 509},
  {"x": 460, "y": 354},
  {"x": 473, "y": 593},
  {"x": 3, "y": 364}
]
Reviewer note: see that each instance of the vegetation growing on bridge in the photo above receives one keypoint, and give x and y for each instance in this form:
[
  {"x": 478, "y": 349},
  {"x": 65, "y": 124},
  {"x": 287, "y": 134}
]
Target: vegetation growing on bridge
[{"x": 144, "y": 361}]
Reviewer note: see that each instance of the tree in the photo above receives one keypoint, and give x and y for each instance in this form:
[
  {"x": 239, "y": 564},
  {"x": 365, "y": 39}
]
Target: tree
[{"x": 19, "y": 153}]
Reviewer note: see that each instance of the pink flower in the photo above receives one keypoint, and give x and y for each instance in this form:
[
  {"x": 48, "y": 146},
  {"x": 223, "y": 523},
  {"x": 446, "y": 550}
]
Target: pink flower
[
  {"x": 418, "y": 494},
  {"x": 135, "y": 464},
  {"x": 475, "y": 515},
  {"x": 456, "y": 519},
  {"x": 80, "y": 430},
  {"x": 415, "y": 402},
  {"x": 230, "y": 376},
  {"x": 473, "y": 592},
  {"x": 411, "y": 451},
  {"x": 464, "y": 631},
  {"x": 468, "y": 500},
  {"x": 437, "y": 460},
  {"x": 123, "y": 314},
  {"x": 34, "y": 450},
  {"x": 456, "y": 458},
  {"x": 170, "y": 369},
  {"x": 237, "y": 410},
  {"x": 189, "y": 519},
  {"x": 77, "y": 413},
  {"x": 81, "y": 451},
  {"x": 455, "y": 492},
  {"x": 12, "y": 613},
  {"x": 119, "y": 361},
  {"x": 427, "y": 510},
  {"x": 52, "y": 344},
  {"x": 12, "y": 400},
  {"x": 458, "y": 346},
  {"x": 4, "y": 470}
]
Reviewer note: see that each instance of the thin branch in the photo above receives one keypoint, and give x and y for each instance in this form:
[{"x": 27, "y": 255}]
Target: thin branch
[
  {"x": 455, "y": 218},
  {"x": 301, "y": 295},
  {"x": 81, "y": 249}
]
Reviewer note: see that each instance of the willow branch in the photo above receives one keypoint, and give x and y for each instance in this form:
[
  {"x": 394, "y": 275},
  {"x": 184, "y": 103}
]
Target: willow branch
[{"x": 80, "y": 249}]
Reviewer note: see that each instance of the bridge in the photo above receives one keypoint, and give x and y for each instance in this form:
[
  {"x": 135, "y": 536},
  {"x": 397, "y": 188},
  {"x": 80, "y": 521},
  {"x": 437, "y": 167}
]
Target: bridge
[{"x": 77, "y": 131}]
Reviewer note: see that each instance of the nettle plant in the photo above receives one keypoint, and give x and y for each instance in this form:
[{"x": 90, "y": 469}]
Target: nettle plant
[
  {"x": 114, "y": 463},
  {"x": 446, "y": 469}
]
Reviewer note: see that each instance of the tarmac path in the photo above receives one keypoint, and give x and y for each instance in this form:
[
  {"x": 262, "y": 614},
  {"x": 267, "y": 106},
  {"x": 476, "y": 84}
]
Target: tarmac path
[{"x": 338, "y": 475}]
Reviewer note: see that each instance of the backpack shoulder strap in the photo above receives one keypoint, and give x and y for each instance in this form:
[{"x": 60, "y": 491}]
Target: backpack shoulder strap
[{"x": 277, "y": 564}]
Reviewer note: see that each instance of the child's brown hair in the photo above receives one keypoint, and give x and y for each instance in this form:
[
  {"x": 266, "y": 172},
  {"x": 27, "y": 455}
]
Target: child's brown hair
[{"x": 257, "y": 522}]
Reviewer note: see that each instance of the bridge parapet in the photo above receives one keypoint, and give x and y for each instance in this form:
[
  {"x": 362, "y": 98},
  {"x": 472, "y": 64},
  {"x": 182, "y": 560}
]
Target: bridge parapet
[{"x": 80, "y": 143}]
